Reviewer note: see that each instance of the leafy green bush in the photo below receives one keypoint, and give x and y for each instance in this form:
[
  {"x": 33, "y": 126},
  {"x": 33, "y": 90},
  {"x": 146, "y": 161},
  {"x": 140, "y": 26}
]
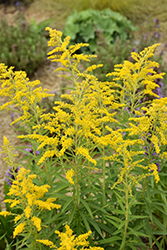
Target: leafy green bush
[
  {"x": 23, "y": 46},
  {"x": 110, "y": 192},
  {"x": 112, "y": 54},
  {"x": 82, "y": 26}
]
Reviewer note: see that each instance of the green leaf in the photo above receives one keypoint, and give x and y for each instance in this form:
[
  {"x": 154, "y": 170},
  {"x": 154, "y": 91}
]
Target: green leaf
[
  {"x": 93, "y": 45},
  {"x": 87, "y": 207},
  {"x": 134, "y": 217},
  {"x": 67, "y": 204},
  {"x": 71, "y": 216},
  {"x": 159, "y": 224},
  {"x": 113, "y": 217},
  {"x": 3, "y": 236},
  {"x": 96, "y": 207},
  {"x": 118, "y": 211},
  {"x": 157, "y": 243},
  {"x": 71, "y": 30},
  {"x": 131, "y": 245},
  {"x": 87, "y": 32},
  {"x": 113, "y": 223},
  {"x": 85, "y": 222},
  {"x": 162, "y": 210},
  {"x": 110, "y": 240},
  {"x": 137, "y": 233},
  {"x": 60, "y": 188},
  {"x": 94, "y": 224},
  {"x": 105, "y": 228}
]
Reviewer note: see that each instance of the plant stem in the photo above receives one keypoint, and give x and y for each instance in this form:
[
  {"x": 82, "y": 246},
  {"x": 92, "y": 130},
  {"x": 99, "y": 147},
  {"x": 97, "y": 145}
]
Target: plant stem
[
  {"x": 104, "y": 170},
  {"x": 48, "y": 175},
  {"x": 76, "y": 185},
  {"x": 127, "y": 210}
]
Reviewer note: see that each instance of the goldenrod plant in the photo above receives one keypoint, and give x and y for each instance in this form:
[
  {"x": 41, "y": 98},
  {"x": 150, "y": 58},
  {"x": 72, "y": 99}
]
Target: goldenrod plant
[{"x": 102, "y": 152}]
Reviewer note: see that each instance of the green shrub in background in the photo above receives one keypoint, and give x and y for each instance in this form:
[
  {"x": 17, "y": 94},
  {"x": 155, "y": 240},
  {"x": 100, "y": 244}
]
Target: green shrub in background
[
  {"x": 115, "y": 53},
  {"x": 22, "y": 46},
  {"x": 82, "y": 26}
]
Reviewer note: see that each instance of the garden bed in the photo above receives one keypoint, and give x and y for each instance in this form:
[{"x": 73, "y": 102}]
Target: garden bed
[{"x": 121, "y": 175}]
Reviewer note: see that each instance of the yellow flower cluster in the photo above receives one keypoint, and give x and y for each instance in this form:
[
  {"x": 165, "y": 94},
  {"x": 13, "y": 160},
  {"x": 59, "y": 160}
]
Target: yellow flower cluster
[
  {"x": 70, "y": 242},
  {"x": 70, "y": 173},
  {"x": 137, "y": 76},
  {"x": 151, "y": 124},
  {"x": 63, "y": 55},
  {"x": 129, "y": 164},
  {"x": 91, "y": 107},
  {"x": 8, "y": 150},
  {"x": 28, "y": 195},
  {"x": 21, "y": 92}
]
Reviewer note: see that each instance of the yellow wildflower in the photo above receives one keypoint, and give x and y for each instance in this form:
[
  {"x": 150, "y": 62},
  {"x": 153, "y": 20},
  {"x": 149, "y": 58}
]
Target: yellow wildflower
[
  {"x": 153, "y": 167},
  {"x": 70, "y": 242},
  {"x": 19, "y": 229},
  {"x": 5, "y": 213},
  {"x": 18, "y": 217},
  {"x": 37, "y": 222},
  {"x": 47, "y": 243},
  {"x": 27, "y": 211},
  {"x": 70, "y": 173},
  {"x": 46, "y": 205},
  {"x": 85, "y": 153}
]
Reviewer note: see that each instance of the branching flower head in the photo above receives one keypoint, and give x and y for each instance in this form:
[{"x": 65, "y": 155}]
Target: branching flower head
[
  {"x": 21, "y": 92},
  {"x": 11, "y": 173},
  {"x": 138, "y": 79},
  {"x": 70, "y": 241},
  {"x": 69, "y": 175},
  {"x": 29, "y": 197}
]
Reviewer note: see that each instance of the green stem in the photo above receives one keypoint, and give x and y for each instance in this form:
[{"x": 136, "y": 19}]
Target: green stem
[
  {"x": 104, "y": 170},
  {"x": 76, "y": 185},
  {"x": 48, "y": 175},
  {"x": 144, "y": 187},
  {"x": 76, "y": 165},
  {"x": 127, "y": 210}
]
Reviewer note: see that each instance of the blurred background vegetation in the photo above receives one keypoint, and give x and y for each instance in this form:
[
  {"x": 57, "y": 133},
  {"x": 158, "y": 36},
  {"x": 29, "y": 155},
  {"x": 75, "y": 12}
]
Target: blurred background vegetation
[{"x": 149, "y": 18}]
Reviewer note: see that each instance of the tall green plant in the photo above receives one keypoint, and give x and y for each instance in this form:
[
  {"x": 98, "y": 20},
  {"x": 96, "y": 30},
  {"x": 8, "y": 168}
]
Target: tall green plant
[{"x": 97, "y": 151}]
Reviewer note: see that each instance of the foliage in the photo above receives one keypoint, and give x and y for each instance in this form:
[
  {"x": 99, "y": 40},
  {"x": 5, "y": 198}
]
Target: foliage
[
  {"x": 109, "y": 182},
  {"x": 6, "y": 226},
  {"x": 81, "y": 27},
  {"x": 23, "y": 45},
  {"x": 116, "y": 53}
]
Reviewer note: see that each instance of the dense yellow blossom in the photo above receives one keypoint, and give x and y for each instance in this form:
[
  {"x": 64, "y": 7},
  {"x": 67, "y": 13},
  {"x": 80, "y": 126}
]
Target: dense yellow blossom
[
  {"x": 37, "y": 222},
  {"x": 47, "y": 243},
  {"x": 21, "y": 92},
  {"x": 28, "y": 195},
  {"x": 137, "y": 76},
  {"x": 85, "y": 153},
  {"x": 5, "y": 213},
  {"x": 70, "y": 241},
  {"x": 70, "y": 173},
  {"x": 154, "y": 169},
  {"x": 8, "y": 150},
  {"x": 19, "y": 229}
]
